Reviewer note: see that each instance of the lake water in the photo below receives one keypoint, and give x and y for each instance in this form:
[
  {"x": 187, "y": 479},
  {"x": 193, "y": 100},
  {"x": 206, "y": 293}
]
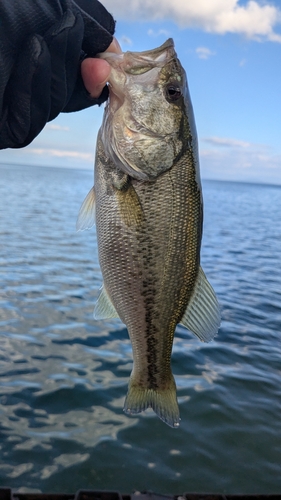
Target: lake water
[{"x": 63, "y": 376}]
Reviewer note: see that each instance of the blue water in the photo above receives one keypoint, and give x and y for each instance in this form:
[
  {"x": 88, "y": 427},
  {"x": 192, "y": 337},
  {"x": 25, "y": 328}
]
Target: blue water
[{"x": 63, "y": 376}]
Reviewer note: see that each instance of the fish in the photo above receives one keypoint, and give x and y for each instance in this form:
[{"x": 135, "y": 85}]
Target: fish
[{"x": 147, "y": 205}]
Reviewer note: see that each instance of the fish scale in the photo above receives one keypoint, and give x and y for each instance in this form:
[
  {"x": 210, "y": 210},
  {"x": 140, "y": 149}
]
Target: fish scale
[{"x": 167, "y": 241}]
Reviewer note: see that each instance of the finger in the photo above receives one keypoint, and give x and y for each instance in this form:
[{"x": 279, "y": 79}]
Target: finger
[
  {"x": 98, "y": 30},
  {"x": 95, "y": 73},
  {"x": 93, "y": 10},
  {"x": 64, "y": 41}
]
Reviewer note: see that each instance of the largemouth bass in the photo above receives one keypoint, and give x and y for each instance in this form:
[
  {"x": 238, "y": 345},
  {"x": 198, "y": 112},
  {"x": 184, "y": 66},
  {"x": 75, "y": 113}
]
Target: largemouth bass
[{"x": 147, "y": 200}]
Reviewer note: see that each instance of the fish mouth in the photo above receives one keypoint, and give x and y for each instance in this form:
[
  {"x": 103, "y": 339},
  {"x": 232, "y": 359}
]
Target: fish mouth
[
  {"x": 154, "y": 53},
  {"x": 136, "y": 63}
]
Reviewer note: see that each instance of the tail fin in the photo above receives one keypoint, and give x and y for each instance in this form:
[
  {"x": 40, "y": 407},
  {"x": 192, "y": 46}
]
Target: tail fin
[{"x": 162, "y": 401}]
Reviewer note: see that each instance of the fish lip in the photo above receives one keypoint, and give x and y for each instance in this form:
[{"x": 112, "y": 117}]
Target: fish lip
[
  {"x": 150, "y": 58},
  {"x": 153, "y": 53}
]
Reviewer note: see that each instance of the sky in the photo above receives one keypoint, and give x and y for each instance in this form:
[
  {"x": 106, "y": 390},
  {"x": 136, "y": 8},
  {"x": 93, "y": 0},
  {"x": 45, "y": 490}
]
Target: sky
[{"x": 231, "y": 51}]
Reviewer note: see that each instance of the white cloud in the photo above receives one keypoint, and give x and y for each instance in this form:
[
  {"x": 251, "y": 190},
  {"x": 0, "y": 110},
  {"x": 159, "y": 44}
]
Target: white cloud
[
  {"x": 223, "y": 141},
  {"x": 160, "y": 32},
  {"x": 55, "y": 126},
  {"x": 233, "y": 159},
  {"x": 125, "y": 40},
  {"x": 204, "y": 53},
  {"x": 60, "y": 153},
  {"x": 255, "y": 20}
]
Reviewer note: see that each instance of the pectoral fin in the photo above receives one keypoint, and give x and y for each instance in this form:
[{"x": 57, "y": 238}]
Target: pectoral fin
[
  {"x": 87, "y": 213},
  {"x": 202, "y": 315},
  {"x": 129, "y": 206},
  {"x": 104, "y": 309}
]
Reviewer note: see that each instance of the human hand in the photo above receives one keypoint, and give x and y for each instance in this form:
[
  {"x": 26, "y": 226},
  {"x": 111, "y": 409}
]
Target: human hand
[
  {"x": 42, "y": 46},
  {"x": 95, "y": 72}
]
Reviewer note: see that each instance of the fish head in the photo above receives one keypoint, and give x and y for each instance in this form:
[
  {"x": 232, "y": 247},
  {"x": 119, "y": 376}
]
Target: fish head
[{"x": 148, "y": 121}]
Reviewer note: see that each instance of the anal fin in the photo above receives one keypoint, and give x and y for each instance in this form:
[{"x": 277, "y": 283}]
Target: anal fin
[
  {"x": 104, "y": 309},
  {"x": 202, "y": 316}
]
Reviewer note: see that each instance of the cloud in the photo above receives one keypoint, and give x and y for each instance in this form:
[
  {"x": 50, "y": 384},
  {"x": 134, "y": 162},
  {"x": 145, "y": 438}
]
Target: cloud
[
  {"x": 125, "y": 40},
  {"x": 253, "y": 19},
  {"x": 204, "y": 53},
  {"x": 55, "y": 126},
  {"x": 234, "y": 159},
  {"x": 60, "y": 153},
  {"x": 160, "y": 32},
  {"x": 223, "y": 141}
]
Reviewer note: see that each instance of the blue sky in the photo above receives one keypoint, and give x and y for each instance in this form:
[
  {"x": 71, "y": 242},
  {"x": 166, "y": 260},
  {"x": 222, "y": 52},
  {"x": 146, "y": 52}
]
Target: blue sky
[{"x": 231, "y": 51}]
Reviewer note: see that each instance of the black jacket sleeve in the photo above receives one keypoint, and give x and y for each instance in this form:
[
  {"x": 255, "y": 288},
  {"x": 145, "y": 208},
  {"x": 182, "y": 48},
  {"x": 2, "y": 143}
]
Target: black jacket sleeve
[{"x": 42, "y": 44}]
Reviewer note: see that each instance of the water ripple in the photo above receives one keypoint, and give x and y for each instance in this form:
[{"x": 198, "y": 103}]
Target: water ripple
[{"x": 64, "y": 376}]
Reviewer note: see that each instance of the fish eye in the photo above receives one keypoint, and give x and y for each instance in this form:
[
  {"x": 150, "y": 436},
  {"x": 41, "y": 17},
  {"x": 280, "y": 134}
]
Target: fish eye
[{"x": 173, "y": 92}]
